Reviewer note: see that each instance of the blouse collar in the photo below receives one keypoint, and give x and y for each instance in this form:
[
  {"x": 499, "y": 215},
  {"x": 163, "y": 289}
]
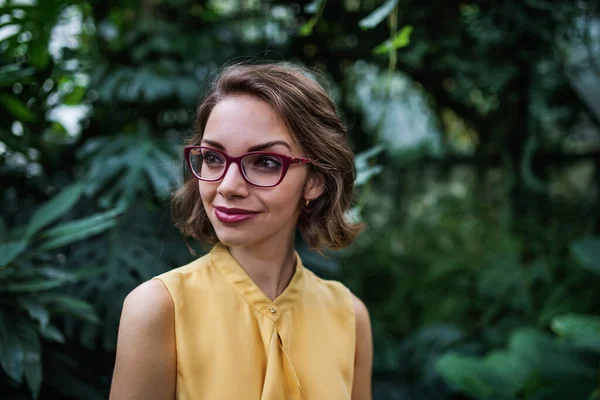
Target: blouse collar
[{"x": 254, "y": 296}]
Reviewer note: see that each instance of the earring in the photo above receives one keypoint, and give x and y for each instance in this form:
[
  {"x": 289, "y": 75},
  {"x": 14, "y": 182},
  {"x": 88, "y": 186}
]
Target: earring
[{"x": 306, "y": 202}]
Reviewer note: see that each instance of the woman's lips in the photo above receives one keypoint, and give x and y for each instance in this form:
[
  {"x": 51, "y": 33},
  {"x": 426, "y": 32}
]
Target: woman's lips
[{"x": 231, "y": 216}]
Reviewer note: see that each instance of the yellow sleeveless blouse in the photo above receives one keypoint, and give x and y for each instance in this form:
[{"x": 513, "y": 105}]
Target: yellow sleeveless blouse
[{"x": 234, "y": 343}]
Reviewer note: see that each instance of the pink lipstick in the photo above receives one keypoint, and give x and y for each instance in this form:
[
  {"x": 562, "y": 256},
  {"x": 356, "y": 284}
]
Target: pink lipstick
[{"x": 233, "y": 215}]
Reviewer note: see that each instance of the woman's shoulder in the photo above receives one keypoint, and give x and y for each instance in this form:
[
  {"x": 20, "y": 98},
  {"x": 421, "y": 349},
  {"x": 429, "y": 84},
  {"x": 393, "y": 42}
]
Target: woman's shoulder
[
  {"x": 329, "y": 290},
  {"x": 325, "y": 283},
  {"x": 148, "y": 304},
  {"x": 146, "y": 338},
  {"x": 336, "y": 291}
]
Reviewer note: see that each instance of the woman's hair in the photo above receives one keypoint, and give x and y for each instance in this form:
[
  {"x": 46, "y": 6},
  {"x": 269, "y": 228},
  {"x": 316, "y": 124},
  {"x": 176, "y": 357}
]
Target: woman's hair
[{"x": 311, "y": 118}]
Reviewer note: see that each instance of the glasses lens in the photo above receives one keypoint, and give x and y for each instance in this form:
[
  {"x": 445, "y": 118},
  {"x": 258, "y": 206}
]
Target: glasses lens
[
  {"x": 207, "y": 164},
  {"x": 262, "y": 169}
]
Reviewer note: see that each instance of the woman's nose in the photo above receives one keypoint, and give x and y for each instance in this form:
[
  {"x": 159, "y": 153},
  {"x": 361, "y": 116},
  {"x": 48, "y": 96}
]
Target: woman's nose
[{"x": 233, "y": 182}]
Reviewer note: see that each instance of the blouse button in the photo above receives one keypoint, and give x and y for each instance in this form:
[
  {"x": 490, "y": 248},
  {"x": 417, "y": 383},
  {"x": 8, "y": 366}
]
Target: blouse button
[{"x": 273, "y": 311}]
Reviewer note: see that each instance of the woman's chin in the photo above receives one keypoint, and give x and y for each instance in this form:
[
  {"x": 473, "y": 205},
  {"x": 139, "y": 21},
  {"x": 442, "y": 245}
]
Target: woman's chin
[{"x": 236, "y": 239}]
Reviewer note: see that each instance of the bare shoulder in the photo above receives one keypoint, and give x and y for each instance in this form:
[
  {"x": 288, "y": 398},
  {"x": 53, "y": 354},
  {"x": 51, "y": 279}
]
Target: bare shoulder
[
  {"x": 148, "y": 304},
  {"x": 363, "y": 326},
  {"x": 363, "y": 359},
  {"x": 361, "y": 312},
  {"x": 146, "y": 353}
]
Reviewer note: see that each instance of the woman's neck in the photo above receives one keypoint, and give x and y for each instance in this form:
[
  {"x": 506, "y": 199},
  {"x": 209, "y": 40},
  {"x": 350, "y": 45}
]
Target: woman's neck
[{"x": 271, "y": 265}]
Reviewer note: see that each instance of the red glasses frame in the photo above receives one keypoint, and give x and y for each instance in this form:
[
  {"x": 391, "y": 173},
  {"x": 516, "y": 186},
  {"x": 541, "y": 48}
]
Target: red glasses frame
[{"x": 286, "y": 162}]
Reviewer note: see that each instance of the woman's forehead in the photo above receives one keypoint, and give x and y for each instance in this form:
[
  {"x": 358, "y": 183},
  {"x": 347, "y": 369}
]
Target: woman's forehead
[{"x": 243, "y": 122}]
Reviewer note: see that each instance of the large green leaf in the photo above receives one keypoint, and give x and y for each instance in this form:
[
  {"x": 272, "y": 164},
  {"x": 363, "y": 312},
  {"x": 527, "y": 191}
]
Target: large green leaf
[
  {"x": 73, "y": 235},
  {"x": 161, "y": 174},
  {"x": 80, "y": 229},
  {"x": 38, "y": 52},
  {"x": 36, "y": 279},
  {"x": 57, "y": 273},
  {"x": 32, "y": 358},
  {"x": 54, "y": 208},
  {"x": 51, "y": 332},
  {"x": 378, "y": 15},
  {"x": 532, "y": 346},
  {"x": 11, "y": 356},
  {"x": 16, "y": 107},
  {"x": 76, "y": 96},
  {"x": 466, "y": 374},
  {"x": 9, "y": 251},
  {"x": 583, "y": 330},
  {"x": 511, "y": 370},
  {"x": 130, "y": 165},
  {"x": 28, "y": 271},
  {"x": 36, "y": 311},
  {"x": 60, "y": 303},
  {"x": 400, "y": 40},
  {"x": 503, "y": 374},
  {"x": 587, "y": 252},
  {"x": 9, "y": 74},
  {"x": 32, "y": 286},
  {"x": 20, "y": 351}
]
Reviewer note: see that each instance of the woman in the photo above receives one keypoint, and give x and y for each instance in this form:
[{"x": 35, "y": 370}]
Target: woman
[{"x": 269, "y": 157}]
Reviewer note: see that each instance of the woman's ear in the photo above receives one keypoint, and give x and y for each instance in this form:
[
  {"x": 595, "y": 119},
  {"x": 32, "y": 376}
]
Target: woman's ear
[{"x": 314, "y": 187}]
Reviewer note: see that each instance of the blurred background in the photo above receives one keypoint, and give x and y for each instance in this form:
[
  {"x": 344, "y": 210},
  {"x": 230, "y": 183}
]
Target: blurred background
[{"x": 476, "y": 126}]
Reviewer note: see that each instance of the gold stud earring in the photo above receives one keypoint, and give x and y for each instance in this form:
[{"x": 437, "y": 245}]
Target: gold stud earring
[{"x": 306, "y": 202}]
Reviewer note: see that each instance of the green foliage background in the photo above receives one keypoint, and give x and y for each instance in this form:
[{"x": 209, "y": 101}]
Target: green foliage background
[{"x": 477, "y": 129}]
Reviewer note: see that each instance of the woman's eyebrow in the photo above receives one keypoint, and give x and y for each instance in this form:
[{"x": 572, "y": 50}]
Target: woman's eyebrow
[
  {"x": 266, "y": 145},
  {"x": 257, "y": 147},
  {"x": 213, "y": 144}
]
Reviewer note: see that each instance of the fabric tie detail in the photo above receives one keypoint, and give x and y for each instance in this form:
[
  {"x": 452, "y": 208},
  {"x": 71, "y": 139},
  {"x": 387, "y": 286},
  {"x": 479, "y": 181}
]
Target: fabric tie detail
[{"x": 281, "y": 381}]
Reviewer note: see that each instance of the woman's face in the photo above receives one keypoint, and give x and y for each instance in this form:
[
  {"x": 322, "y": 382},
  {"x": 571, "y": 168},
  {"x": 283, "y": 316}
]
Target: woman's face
[{"x": 236, "y": 125}]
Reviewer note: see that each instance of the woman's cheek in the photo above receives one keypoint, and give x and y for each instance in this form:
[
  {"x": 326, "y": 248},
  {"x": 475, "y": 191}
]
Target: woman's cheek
[{"x": 205, "y": 193}]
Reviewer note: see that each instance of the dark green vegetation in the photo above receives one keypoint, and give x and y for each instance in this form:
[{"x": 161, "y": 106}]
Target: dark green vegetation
[{"x": 479, "y": 128}]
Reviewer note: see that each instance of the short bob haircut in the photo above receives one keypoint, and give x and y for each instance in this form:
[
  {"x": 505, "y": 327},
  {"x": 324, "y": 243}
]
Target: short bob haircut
[{"x": 311, "y": 118}]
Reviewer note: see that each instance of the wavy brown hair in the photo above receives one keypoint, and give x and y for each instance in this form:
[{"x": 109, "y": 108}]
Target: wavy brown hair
[{"x": 310, "y": 116}]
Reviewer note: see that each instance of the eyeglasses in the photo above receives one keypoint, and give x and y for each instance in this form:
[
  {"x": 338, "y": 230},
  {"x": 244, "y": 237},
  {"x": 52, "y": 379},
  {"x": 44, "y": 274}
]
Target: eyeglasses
[{"x": 258, "y": 168}]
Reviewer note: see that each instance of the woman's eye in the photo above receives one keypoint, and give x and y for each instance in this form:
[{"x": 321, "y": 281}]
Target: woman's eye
[
  {"x": 211, "y": 158},
  {"x": 268, "y": 163}
]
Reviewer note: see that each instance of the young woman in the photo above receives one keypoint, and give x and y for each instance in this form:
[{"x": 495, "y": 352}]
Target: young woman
[{"x": 269, "y": 157}]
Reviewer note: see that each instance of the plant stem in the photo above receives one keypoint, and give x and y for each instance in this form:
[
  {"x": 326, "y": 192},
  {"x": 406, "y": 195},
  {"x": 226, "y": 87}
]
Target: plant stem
[{"x": 393, "y": 24}]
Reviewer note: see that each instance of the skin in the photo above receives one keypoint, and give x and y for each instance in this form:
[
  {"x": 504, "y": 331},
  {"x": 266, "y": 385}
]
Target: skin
[{"x": 263, "y": 245}]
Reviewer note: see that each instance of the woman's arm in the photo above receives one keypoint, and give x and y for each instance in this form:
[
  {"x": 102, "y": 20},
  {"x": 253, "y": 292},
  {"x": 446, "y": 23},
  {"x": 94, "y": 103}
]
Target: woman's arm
[
  {"x": 146, "y": 358},
  {"x": 363, "y": 359}
]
